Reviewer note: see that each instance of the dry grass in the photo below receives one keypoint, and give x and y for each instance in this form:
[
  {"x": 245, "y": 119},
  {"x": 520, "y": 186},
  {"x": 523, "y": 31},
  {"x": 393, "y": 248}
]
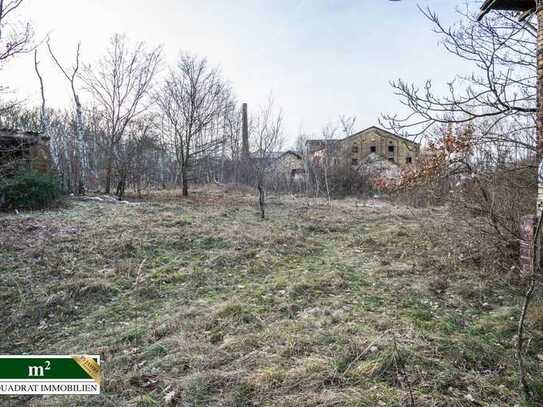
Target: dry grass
[{"x": 197, "y": 302}]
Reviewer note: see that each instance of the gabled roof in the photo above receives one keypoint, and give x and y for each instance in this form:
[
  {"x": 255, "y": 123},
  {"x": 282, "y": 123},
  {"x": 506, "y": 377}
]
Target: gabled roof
[
  {"x": 294, "y": 153},
  {"x": 361, "y": 132},
  {"x": 380, "y": 130}
]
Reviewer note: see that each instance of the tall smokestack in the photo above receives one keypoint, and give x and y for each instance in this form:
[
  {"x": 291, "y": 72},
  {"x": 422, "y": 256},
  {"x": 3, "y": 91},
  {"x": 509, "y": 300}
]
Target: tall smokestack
[{"x": 244, "y": 131}]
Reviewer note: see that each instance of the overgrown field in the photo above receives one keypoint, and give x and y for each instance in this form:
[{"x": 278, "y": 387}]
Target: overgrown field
[{"x": 197, "y": 302}]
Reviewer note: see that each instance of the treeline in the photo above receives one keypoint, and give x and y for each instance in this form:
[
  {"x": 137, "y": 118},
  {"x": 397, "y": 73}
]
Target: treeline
[{"x": 131, "y": 127}]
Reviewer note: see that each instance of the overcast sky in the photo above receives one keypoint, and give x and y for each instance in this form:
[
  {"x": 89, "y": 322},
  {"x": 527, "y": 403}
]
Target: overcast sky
[{"x": 318, "y": 58}]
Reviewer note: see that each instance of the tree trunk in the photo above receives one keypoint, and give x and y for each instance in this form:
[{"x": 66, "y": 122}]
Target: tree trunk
[
  {"x": 261, "y": 198},
  {"x": 121, "y": 187},
  {"x": 327, "y": 185},
  {"x": 540, "y": 106},
  {"x": 244, "y": 131},
  {"x": 81, "y": 186},
  {"x": 185, "y": 181},
  {"x": 109, "y": 170},
  {"x": 81, "y": 146},
  {"x": 245, "y": 154}
]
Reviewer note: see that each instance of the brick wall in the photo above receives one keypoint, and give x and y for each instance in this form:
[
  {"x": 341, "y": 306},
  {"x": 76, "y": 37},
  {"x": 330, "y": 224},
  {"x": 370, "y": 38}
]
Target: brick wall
[{"x": 381, "y": 142}]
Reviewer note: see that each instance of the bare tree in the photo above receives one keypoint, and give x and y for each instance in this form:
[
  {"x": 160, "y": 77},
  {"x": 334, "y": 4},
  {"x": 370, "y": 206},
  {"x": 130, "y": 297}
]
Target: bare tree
[
  {"x": 130, "y": 162},
  {"x": 42, "y": 92},
  {"x": 300, "y": 142},
  {"x": 499, "y": 103},
  {"x": 502, "y": 88},
  {"x": 232, "y": 133},
  {"x": 120, "y": 83},
  {"x": 266, "y": 141},
  {"x": 71, "y": 76},
  {"x": 15, "y": 38},
  {"x": 329, "y": 155},
  {"x": 191, "y": 98},
  {"x": 346, "y": 124}
]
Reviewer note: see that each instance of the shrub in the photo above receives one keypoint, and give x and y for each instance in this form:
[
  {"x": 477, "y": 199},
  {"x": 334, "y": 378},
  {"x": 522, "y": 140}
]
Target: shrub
[
  {"x": 28, "y": 190},
  {"x": 492, "y": 201},
  {"x": 501, "y": 196}
]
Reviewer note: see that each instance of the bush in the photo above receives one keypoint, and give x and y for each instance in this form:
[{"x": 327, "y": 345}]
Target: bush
[
  {"x": 502, "y": 197},
  {"x": 28, "y": 190},
  {"x": 491, "y": 201}
]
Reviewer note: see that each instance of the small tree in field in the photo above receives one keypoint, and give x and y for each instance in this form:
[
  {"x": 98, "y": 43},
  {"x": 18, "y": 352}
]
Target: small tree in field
[
  {"x": 266, "y": 140},
  {"x": 120, "y": 84},
  {"x": 191, "y": 98}
]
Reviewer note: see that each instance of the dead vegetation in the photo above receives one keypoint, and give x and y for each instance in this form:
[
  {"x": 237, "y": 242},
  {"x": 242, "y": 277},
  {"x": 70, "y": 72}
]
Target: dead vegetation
[{"x": 198, "y": 302}]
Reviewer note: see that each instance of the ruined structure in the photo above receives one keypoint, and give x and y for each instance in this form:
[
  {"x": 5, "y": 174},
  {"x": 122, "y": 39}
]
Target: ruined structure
[
  {"x": 372, "y": 153},
  {"x": 23, "y": 150},
  {"x": 368, "y": 145},
  {"x": 289, "y": 163},
  {"x": 287, "y": 167}
]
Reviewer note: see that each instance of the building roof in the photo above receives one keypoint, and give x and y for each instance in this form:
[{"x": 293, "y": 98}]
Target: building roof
[
  {"x": 8, "y": 135},
  {"x": 511, "y": 5},
  {"x": 294, "y": 153},
  {"x": 378, "y": 129},
  {"x": 367, "y": 130}
]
